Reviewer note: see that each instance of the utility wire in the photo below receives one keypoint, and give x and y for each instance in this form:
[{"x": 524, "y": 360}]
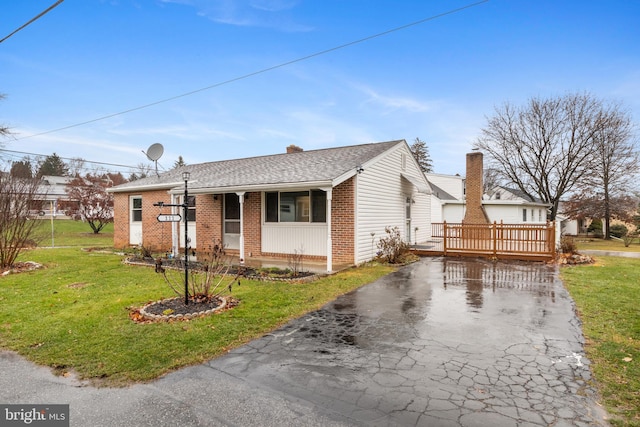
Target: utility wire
[
  {"x": 262, "y": 71},
  {"x": 34, "y": 18},
  {"x": 68, "y": 158}
]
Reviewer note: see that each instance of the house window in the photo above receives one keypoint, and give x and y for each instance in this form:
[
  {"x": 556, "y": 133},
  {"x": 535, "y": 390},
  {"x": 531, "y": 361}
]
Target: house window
[
  {"x": 271, "y": 206},
  {"x": 539, "y": 215},
  {"x": 231, "y": 213},
  {"x": 191, "y": 210},
  {"x": 296, "y": 206},
  {"x": 136, "y": 209},
  {"x": 403, "y": 161},
  {"x": 524, "y": 215}
]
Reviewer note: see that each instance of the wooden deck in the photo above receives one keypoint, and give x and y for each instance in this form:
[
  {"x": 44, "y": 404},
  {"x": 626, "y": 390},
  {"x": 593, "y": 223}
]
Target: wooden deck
[{"x": 497, "y": 240}]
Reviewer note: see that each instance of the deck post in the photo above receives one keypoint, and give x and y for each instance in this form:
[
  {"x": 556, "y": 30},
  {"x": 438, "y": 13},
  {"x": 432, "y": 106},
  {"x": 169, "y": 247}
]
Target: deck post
[{"x": 444, "y": 237}]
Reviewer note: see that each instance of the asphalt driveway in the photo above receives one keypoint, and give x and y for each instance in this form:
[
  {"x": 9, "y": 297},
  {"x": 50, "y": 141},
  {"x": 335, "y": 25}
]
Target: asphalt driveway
[{"x": 442, "y": 342}]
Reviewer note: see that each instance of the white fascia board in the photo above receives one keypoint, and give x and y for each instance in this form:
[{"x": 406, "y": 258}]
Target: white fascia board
[
  {"x": 255, "y": 188},
  {"x": 138, "y": 188}
]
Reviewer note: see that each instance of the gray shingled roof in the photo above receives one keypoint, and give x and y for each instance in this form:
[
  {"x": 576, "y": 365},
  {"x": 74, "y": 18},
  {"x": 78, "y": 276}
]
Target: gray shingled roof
[
  {"x": 322, "y": 165},
  {"x": 440, "y": 193},
  {"x": 521, "y": 194}
]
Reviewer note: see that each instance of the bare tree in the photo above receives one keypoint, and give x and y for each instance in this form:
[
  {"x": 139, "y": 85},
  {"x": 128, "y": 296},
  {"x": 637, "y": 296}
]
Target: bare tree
[
  {"x": 4, "y": 131},
  {"x": 614, "y": 168},
  {"x": 89, "y": 199},
  {"x": 75, "y": 166},
  {"x": 545, "y": 147},
  {"x": 591, "y": 205},
  {"x": 143, "y": 170},
  {"x": 490, "y": 180},
  {"x": 17, "y": 231}
]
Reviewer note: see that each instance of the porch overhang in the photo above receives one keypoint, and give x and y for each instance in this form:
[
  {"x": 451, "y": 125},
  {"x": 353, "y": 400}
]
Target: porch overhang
[{"x": 421, "y": 187}]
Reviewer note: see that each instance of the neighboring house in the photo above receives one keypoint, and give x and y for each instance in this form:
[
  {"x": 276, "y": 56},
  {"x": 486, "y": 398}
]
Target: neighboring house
[
  {"x": 450, "y": 201},
  {"x": 447, "y": 197},
  {"x": 51, "y": 191},
  {"x": 513, "y": 206},
  {"x": 330, "y": 204}
]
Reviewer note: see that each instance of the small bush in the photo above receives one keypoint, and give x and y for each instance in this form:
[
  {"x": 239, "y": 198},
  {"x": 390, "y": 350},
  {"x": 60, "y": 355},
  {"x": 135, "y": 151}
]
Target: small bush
[
  {"x": 629, "y": 238},
  {"x": 392, "y": 248},
  {"x": 595, "y": 227},
  {"x": 568, "y": 245},
  {"x": 618, "y": 230}
]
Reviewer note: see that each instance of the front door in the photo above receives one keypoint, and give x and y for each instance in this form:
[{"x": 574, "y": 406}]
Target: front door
[
  {"x": 231, "y": 237},
  {"x": 135, "y": 220},
  {"x": 408, "y": 219},
  {"x": 191, "y": 212}
]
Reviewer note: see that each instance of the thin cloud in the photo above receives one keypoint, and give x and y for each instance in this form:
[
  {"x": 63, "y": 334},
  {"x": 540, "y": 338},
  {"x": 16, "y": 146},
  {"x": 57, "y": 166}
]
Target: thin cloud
[
  {"x": 248, "y": 13},
  {"x": 394, "y": 103}
]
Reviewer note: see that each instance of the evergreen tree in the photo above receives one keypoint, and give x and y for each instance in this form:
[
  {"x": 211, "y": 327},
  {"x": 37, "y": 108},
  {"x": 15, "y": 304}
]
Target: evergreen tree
[
  {"x": 54, "y": 166},
  {"x": 421, "y": 153},
  {"x": 179, "y": 163}
]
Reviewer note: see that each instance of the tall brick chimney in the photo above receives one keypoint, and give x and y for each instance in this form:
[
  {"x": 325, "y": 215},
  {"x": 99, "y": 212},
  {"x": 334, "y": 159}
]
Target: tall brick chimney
[
  {"x": 475, "y": 213},
  {"x": 294, "y": 149}
]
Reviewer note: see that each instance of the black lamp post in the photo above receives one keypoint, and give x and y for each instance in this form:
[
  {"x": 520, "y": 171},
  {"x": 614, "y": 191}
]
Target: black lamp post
[{"x": 185, "y": 205}]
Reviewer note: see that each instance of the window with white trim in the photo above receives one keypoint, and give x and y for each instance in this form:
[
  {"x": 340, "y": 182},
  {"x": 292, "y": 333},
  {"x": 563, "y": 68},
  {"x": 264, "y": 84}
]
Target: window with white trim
[
  {"x": 136, "y": 209},
  {"x": 295, "y": 206}
]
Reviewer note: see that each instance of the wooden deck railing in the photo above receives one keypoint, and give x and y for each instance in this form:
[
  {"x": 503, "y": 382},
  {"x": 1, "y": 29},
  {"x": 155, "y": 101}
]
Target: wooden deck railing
[{"x": 497, "y": 240}]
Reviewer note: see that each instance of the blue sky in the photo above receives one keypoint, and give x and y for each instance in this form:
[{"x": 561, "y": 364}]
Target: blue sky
[{"x": 437, "y": 81}]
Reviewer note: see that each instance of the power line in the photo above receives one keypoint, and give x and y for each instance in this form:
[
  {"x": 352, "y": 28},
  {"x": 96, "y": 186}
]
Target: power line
[
  {"x": 262, "y": 71},
  {"x": 135, "y": 168},
  {"x": 34, "y": 18}
]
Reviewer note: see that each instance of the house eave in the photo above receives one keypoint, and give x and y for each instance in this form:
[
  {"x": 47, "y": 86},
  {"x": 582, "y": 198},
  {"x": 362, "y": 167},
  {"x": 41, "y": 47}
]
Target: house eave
[
  {"x": 149, "y": 187},
  {"x": 254, "y": 188}
]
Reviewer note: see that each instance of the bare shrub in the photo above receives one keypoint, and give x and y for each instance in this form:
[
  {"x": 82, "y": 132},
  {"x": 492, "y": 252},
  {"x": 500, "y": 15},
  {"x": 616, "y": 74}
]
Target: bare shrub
[
  {"x": 17, "y": 230},
  {"x": 294, "y": 261},
  {"x": 392, "y": 248},
  {"x": 207, "y": 282},
  {"x": 568, "y": 245}
]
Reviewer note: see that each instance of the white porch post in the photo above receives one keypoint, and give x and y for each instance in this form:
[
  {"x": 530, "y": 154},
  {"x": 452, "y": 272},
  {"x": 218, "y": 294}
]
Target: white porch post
[
  {"x": 241, "y": 199},
  {"x": 329, "y": 241}
]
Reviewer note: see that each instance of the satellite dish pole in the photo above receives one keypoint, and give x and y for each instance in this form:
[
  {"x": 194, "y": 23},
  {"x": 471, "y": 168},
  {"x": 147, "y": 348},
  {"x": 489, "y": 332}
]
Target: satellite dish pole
[{"x": 154, "y": 152}]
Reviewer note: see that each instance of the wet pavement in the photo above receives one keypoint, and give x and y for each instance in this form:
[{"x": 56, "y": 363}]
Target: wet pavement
[{"x": 442, "y": 342}]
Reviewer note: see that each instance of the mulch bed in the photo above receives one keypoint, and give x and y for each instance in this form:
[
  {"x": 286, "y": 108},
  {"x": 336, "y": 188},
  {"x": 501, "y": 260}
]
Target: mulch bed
[
  {"x": 174, "y": 309},
  {"x": 21, "y": 267}
]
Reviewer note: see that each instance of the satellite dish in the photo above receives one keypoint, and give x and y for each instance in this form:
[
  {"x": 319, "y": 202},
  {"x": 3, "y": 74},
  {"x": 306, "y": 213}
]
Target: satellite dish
[{"x": 155, "y": 152}]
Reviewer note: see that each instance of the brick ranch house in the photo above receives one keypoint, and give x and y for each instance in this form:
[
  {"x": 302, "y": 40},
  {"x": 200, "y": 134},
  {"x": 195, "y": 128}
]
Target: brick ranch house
[{"x": 329, "y": 205}]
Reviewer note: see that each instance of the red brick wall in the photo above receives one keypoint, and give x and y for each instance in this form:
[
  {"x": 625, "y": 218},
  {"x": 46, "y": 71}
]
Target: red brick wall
[
  {"x": 121, "y": 220},
  {"x": 343, "y": 222},
  {"x": 475, "y": 213},
  {"x": 156, "y": 235},
  {"x": 208, "y": 221},
  {"x": 252, "y": 224}
]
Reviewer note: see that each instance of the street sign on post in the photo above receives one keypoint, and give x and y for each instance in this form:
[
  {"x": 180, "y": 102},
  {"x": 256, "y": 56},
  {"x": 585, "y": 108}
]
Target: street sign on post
[{"x": 169, "y": 218}]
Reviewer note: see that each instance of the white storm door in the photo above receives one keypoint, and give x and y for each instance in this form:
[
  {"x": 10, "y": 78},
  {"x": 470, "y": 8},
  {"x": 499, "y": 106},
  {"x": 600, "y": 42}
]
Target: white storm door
[{"x": 135, "y": 220}]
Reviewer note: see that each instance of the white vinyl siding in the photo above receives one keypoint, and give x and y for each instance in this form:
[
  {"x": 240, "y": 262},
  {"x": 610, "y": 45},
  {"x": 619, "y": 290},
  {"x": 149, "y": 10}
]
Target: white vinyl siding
[
  {"x": 380, "y": 201},
  {"x": 285, "y": 238}
]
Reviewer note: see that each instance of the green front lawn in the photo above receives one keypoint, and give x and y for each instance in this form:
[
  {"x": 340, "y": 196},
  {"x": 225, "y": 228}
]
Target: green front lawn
[
  {"x": 67, "y": 232},
  {"x": 586, "y": 243},
  {"x": 607, "y": 296},
  {"x": 73, "y": 315}
]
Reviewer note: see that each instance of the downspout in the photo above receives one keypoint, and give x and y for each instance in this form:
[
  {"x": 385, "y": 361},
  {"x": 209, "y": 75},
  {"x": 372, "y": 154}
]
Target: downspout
[
  {"x": 329, "y": 240},
  {"x": 241, "y": 200}
]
